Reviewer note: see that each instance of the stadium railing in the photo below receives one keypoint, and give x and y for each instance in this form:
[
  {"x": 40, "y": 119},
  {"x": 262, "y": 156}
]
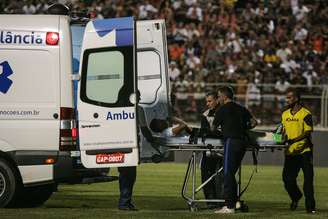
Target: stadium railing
[{"x": 265, "y": 101}]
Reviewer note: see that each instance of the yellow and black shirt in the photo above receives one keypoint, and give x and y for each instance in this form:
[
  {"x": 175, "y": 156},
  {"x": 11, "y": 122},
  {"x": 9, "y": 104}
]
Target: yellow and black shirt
[{"x": 295, "y": 125}]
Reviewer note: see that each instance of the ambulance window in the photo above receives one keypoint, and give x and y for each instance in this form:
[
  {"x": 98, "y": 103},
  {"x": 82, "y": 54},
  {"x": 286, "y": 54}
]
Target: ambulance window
[
  {"x": 105, "y": 76},
  {"x": 149, "y": 75}
]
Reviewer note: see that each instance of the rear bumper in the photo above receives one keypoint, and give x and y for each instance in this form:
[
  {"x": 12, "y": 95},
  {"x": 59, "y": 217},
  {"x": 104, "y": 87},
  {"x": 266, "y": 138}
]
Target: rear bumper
[
  {"x": 70, "y": 170},
  {"x": 66, "y": 169}
]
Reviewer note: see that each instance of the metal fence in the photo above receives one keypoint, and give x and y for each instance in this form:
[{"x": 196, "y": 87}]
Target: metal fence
[{"x": 265, "y": 101}]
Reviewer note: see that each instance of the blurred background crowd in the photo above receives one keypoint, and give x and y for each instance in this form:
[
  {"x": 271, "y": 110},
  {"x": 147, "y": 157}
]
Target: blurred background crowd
[{"x": 260, "y": 47}]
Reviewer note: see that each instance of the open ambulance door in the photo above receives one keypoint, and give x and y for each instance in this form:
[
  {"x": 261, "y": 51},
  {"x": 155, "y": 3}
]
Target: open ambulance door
[
  {"x": 153, "y": 82},
  {"x": 107, "y": 104}
]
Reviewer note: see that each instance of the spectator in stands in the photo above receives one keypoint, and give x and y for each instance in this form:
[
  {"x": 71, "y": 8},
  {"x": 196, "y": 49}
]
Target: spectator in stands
[
  {"x": 29, "y": 7},
  {"x": 174, "y": 71},
  {"x": 225, "y": 35}
]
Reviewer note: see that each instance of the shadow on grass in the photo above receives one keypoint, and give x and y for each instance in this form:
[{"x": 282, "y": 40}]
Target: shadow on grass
[
  {"x": 151, "y": 203},
  {"x": 110, "y": 202}
]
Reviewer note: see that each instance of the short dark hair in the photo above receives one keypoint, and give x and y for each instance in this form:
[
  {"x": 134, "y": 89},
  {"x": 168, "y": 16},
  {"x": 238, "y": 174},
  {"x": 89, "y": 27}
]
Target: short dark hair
[
  {"x": 58, "y": 9},
  {"x": 227, "y": 91},
  {"x": 156, "y": 125},
  {"x": 213, "y": 94},
  {"x": 296, "y": 93}
]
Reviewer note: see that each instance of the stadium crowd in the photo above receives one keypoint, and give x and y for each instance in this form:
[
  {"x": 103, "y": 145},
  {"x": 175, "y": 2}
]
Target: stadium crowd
[{"x": 245, "y": 43}]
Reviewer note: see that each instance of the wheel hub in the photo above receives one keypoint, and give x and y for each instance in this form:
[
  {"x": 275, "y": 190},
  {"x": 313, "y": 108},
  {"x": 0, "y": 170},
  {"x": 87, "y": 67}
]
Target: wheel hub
[{"x": 2, "y": 184}]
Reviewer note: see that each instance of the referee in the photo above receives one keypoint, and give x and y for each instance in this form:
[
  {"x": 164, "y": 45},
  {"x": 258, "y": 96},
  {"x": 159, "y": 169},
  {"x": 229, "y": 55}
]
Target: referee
[
  {"x": 234, "y": 121},
  {"x": 297, "y": 126}
]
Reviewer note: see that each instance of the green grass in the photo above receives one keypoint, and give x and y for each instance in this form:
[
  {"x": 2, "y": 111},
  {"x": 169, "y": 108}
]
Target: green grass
[{"x": 157, "y": 195}]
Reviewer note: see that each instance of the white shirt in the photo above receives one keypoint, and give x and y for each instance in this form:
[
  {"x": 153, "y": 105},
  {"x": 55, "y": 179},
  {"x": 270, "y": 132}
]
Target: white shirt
[
  {"x": 199, "y": 12},
  {"x": 309, "y": 77},
  {"x": 168, "y": 132},
  {"x": 282, "y": 87},
  {"x": 29, "y": 9},
  {"x": 301, "y": 34},
  {"x": 174, "y": 73},
  {"x": 144, "y": 9}
]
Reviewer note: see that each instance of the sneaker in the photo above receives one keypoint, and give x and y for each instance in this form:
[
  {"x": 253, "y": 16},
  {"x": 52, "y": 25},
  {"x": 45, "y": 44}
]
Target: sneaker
[
  {"x": 293, "y": 205},
  {"x": 225, "y": 210},
  {"x": 311, "y": 211}
]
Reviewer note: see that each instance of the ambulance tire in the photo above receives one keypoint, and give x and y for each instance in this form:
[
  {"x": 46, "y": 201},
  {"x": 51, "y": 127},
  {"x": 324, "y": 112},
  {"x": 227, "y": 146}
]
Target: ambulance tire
[
  {"x": 10, "y": 184},
  {"x": 35, "y": 196}
]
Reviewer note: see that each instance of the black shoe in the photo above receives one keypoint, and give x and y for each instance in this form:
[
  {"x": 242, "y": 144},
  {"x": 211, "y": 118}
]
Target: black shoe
[
  {"x": 294, "y": 205},
  {"x": 129, "y": 207}
]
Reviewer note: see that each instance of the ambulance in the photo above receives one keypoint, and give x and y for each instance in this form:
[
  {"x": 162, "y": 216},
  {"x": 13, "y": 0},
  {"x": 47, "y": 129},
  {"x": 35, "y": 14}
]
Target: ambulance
[{"x": 54, "y": 124}]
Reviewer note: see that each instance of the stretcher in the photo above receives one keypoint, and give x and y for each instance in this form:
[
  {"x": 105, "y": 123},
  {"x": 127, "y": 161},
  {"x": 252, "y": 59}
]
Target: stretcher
[{"x": 259, "y": 141}]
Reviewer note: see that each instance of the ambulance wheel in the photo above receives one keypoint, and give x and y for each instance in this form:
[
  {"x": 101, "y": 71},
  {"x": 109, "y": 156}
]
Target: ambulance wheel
[
  {"x": 35, "y": 196},
  {"x": 9, "y": 184}
]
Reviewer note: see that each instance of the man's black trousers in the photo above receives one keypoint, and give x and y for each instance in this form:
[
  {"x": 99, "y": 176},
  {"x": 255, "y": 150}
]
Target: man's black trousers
[
  {"x": 127, "y": 178},
  {"x": 211, "y": 164},
  {"x": 234, "y": 151},
  {"x": 292, "y": 166}
]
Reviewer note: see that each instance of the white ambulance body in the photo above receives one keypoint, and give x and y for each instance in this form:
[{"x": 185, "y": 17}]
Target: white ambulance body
[{"x": 43, "y": 138}]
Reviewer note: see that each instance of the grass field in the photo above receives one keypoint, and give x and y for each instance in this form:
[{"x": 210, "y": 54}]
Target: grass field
[{"x": 157, "y": 195}]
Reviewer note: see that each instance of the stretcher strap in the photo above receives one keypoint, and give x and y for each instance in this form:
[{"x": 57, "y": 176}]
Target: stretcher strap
[
  {"x": 255, "y": 152},
  {"x": 249, "y": 181}
]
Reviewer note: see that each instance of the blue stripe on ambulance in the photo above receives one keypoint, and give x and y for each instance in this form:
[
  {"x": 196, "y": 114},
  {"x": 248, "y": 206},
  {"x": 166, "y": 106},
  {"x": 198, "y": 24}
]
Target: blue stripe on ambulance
[{"x": 123, "y": 26}]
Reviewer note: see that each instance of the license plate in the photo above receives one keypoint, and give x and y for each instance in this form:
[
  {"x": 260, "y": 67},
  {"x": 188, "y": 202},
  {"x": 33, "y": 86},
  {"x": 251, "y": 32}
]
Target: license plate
[{"x": 110, "y": 158}]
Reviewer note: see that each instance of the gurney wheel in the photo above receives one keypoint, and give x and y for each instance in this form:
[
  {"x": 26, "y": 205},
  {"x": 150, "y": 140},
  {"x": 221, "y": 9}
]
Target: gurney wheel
[
  {"x": 244, "y": 207},
  {"x": 241, "y": 206},
  {"x": 192, "y": 208}
]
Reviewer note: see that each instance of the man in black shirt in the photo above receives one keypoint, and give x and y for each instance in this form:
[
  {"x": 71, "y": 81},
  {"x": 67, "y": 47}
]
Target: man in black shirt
[{"x": 234, "y": 121}]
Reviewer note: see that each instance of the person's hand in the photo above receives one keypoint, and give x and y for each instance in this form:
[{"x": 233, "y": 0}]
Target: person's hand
[{"x": 288, "y": 142}]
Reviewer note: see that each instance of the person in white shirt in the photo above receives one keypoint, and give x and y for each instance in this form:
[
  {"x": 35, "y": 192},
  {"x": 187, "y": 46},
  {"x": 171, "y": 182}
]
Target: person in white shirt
[
  {"x": 162, "y": 127},
  {"x": 174, "y": 71}
]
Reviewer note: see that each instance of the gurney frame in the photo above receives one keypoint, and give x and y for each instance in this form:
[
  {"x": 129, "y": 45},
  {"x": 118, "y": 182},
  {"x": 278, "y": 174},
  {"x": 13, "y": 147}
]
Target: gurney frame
[{"x": 192, "y": 168}]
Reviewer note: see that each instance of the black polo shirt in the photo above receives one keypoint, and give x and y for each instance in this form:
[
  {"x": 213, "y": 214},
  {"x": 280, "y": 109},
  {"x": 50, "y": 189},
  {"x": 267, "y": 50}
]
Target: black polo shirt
[{"x": 233, "y": 119}]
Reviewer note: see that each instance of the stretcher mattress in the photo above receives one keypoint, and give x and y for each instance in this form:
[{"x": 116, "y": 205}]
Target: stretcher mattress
[{"x": 260, "y": 139}]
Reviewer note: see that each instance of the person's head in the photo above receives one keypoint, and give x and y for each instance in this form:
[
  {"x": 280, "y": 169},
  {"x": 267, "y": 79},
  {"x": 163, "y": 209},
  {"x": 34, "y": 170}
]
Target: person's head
[
  {"x": 293, "y": 97},
  {"x": 225, "y": 94},
  {"x": 158, "y": 125},
  {"x": 211, "y": 100},
  {"x": 173, "y": 64},
  {"x": 58, "y": 9}
]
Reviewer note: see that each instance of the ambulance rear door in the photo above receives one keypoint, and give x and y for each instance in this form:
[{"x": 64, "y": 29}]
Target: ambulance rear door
[
  {"x": 153, "y": 81},
  {"x": 107, "y": 103}
]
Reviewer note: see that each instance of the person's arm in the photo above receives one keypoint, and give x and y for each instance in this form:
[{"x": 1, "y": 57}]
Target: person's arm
[
  {"x": 143, "y": 124},
  {"x": 217, "y": 120},
  {"x": 182, "y": 125},
  {"x": 147, "y": 133},
  {"x": 204, "y": 125},
  {"x": 251, "y": 121},
  {"x": 178, "y": 129},
  {"x": 305, "y": 135}
]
